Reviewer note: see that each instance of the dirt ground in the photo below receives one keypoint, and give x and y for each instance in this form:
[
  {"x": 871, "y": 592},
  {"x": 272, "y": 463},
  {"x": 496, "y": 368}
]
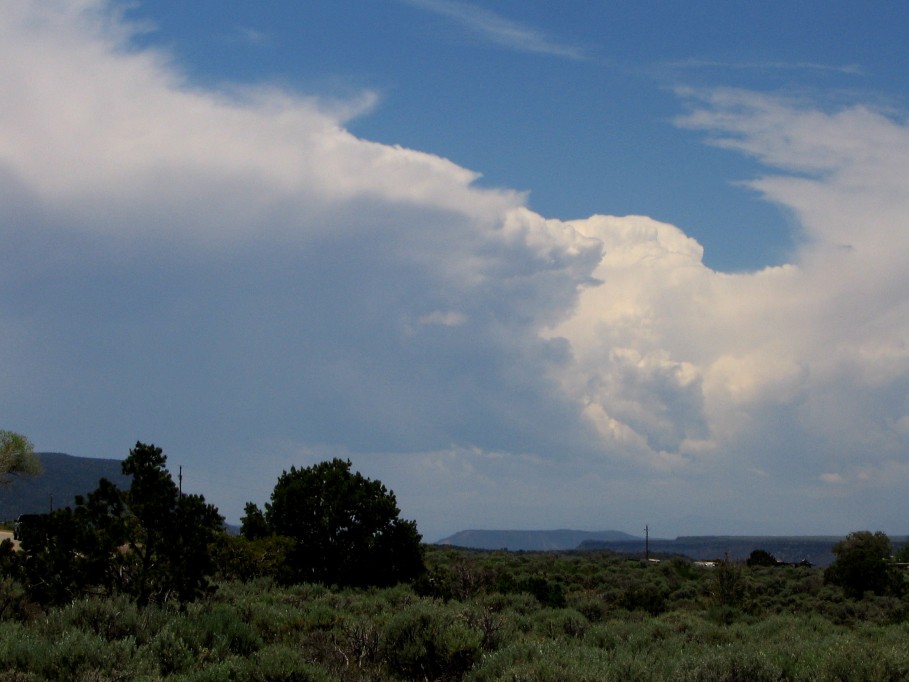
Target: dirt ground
[{"x": 4, "y": 534}]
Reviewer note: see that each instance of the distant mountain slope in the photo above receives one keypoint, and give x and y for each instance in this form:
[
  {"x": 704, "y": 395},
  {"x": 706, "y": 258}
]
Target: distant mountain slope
[
  {"x": 533, "y": 540},
  {"x": 64, "y": 477}
]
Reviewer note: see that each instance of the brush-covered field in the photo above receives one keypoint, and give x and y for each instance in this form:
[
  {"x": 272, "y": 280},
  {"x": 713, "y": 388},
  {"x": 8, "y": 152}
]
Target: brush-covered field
[{"x": 478, "y": 616}]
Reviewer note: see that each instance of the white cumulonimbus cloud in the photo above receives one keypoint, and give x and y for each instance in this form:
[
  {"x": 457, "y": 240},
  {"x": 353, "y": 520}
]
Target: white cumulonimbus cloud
[
  {"x": 807, "y": 362},
  {"x": 235, "y": 273}
]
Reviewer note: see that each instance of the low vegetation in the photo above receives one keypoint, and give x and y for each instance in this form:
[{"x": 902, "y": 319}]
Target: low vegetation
[
  {"x": 95, "y": 596},
  {"x": 476, "y": 616}
]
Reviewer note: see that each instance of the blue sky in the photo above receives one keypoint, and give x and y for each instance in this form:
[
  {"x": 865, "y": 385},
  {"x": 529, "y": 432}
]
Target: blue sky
[
  {"x": 573, "y": 102},
  {"x": 533, "y": 264}
]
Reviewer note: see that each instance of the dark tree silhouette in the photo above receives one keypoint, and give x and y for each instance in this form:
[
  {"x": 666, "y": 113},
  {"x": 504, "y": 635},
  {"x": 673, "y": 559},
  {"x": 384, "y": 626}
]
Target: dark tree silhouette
[
  {"x": 253, "y": 525},
  {"x": 346, "y": 527},
  {"x": 169, "y": 534},
  {"x": 149, "y": 542},
  {"x": 863, "y": 564},
  {"x": 761, "y": 557}
]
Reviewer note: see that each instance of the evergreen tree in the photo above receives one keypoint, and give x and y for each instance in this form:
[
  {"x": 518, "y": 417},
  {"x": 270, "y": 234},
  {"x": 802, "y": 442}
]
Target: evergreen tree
[
  {"x": 149, "y": 542},
  {"x": 346, "y": 527},
  {"x": 168, "y": 534}
]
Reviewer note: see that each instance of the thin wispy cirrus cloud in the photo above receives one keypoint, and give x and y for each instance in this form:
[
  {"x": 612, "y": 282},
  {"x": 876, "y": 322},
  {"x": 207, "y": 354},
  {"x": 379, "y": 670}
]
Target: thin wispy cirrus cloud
[
  {"x": 250, "y": 36},
  {"x": 848, "y": 69},
  {"x": 238, "y": 278},
  {"x": 498, "y": 30}
]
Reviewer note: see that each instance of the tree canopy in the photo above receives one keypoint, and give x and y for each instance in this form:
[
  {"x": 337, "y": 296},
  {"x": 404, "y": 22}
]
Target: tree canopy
[
  {"x": 17, "y": 456},
  {"x": 346, "y": 527},
  {"x": 863, "y": 564}
]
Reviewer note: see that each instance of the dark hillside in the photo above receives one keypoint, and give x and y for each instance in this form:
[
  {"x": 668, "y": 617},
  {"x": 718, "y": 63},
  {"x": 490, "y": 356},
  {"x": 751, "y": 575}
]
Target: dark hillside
[{"x": 64, "y": 477}]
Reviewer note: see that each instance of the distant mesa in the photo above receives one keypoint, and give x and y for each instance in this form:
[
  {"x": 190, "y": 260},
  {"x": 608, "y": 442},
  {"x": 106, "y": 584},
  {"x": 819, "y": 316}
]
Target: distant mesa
[
  {"x": 534, "y": 540},
  {"x": 816, "y": 549}
]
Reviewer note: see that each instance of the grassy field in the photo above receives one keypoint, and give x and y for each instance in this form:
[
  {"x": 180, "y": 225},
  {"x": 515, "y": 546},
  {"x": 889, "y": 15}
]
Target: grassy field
[{"x": 478, "y": 616}]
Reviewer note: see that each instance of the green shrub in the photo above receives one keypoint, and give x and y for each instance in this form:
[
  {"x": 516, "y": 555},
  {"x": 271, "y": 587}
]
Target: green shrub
[
  {"x": 557, "y": 623},
  {"x": 518, "y": 603},
  {"x": 590, "y": 603},
  {"x": 14, "y": 601},
  {"x": 222, "y": 631},
  {"x": 21, "y": 648},
  {"x": 282, "y": 663},
  {"x": 728, "y": 584},
  {"x": 649, "y": 597},
  {"x": 110, "y": 618},
  {"x": 460, "y": 577},
  {"x": 81, "y": 655},
  {"x": 548, "y": 661},
  {"x": 729, "y": 664},
  {"x": 233, "y": 670},
  {"x": 171, "y": 652},
  {"x": 866, "y": 659},
  {"x": 320, "y": 616},
  {"x": 425, "y": 641},
  {"x": 267, "y": 609}
]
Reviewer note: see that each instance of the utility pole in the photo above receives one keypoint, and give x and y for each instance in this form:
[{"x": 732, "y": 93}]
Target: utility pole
[
  {"x": 180, "y": 479},
  {"x": 647, "y": 543}
]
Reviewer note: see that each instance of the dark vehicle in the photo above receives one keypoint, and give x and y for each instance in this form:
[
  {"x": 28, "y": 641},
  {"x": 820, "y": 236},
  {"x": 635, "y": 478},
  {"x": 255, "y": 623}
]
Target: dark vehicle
[{"x": 22, "y": 521}]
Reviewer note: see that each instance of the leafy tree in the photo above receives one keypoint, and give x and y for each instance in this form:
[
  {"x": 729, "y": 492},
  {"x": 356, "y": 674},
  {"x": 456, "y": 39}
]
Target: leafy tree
[
  {"x": 346, "y": 527},
  {"x": 863, "y": 564},
  {"x": 17, "y": 456}
]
